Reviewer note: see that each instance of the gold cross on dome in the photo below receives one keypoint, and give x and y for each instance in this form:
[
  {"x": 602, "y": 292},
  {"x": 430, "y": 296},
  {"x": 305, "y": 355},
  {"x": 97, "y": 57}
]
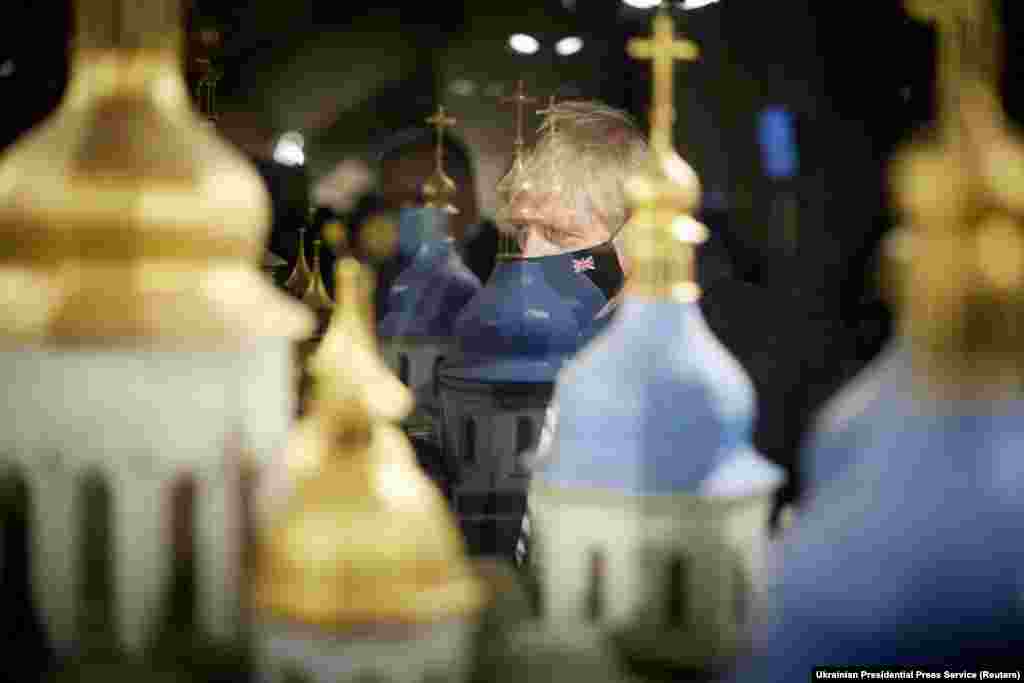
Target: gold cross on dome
[
  {"x": 440, "y": 120},
  {"x": 520, "y": 98},
  {"x": 663, "y": 49}
]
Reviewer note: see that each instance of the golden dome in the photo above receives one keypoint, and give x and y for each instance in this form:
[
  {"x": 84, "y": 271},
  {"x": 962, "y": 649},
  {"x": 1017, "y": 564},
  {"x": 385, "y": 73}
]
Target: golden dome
[
  {"x": 367, "y": 538},
  {"x": 301, "y": 276},
  {"x": 439, "y": 190},
  {"x": 316, "y": 296},
  {"x": 960, "y": 254},
  {"x": 133, "y": 219},
  {"x": 661, "y": 232},
  {"x": 347, "y": 366}
]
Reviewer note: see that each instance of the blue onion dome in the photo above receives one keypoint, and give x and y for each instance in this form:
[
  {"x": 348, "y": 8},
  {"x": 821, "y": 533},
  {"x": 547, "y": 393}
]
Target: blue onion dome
[
  {"x": 533, "y": 315},
  {"x": 433, "y": 285},
  {"x": 912, "y": 554},
  {"x": 673, "y": 414},
  {"x": 876, "y": 397}
]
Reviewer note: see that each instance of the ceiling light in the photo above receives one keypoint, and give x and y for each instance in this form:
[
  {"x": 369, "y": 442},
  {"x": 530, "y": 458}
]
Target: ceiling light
[
  {"x": 288, "y": 150},
  {"x": 642, "y": 4},
  {"x": 523, "y": 44},
  {"x": 569, "y": 45},
  {"x": 696, "y": 4},
  {"x": 294, "y": 137}
]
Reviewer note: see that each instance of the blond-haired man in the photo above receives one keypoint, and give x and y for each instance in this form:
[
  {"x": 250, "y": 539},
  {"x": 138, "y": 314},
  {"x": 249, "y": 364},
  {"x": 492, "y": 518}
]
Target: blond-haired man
[{"x": 568, "y": 195}]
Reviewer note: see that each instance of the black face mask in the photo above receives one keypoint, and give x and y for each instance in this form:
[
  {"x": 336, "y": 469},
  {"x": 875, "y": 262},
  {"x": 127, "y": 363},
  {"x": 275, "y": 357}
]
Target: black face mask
[{"x": 600, "y": 264}]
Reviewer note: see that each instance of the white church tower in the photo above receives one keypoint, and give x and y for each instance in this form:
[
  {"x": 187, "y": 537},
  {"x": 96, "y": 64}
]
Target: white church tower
[
  {"x": 360, "y": 572},
  {"x": 650, "y": 507},
  {"x": 141, "y": 345}
]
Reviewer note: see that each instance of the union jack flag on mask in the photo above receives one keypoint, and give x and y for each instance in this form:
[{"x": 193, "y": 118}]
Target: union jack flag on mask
[{"x": 582, "y": 264}]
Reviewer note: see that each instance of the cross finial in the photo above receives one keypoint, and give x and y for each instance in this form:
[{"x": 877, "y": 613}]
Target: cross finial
[
  {"x": 440, "y": 121},
  {"x": 520, "y": 98},
  {"x": 663, "y": 49},
  {"x": 439, "y": 190}
]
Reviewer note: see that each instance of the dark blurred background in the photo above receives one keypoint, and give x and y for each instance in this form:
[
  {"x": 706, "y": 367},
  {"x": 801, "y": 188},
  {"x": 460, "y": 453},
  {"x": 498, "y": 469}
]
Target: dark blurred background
[{"x": 853, "y": 79}]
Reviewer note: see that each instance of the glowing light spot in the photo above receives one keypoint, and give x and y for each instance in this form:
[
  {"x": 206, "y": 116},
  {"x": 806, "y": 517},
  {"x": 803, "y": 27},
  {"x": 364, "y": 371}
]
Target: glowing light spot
[
  {"x": 289, "y": 149},
  {"x": 688, "y": 229},
  {"x": 462, "y": 87},
  {"x": 569, "y": 45},
  {"x": 523, "y": 44}
]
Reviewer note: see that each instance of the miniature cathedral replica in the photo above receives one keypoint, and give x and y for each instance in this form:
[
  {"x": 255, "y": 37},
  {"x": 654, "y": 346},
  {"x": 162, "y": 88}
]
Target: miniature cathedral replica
[
  {"x": 932, "y": 485},
  {"x": 431, "y": 289},
  {"x": 938, "y": 306},
  {"x": 534, "y": 313},
  {"x": 649, "y": 507},
  {"x": 360, "y": 571},
  {"x": 141, "y": 345}
]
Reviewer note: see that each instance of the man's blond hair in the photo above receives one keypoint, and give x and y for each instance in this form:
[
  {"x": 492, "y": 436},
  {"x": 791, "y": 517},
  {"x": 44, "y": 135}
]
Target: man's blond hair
[{"x": 576, "y": 172}]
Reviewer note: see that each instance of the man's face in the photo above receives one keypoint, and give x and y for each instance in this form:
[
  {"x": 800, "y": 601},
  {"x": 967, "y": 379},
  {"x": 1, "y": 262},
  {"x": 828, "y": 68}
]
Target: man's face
[{"x": 537, "y": 238}]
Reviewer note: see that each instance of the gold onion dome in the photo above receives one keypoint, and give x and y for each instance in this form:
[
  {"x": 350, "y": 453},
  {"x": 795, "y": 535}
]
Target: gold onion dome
[
  {"x": 439, "y": 190},
  {"x": 122, "y": 216},
  {"x": 301, "y": 276},
  {"x": 316, "y": 296},
  {"x": 366, "y": 540},
  {"x": 519, "y": 100},
  {"x": 661, "y": 231},
  {"x": 959, "y": 259},
  {"x": 348, "y": 356}
]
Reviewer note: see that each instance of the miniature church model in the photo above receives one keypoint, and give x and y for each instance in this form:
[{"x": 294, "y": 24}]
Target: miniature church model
[
  {"x": 142, "y": 346},
  {"x": 650, "y": 507},
  {"x": 432, "y": 288},
  {"x": 878, "y": 397},
  {"x": 933, "y": 486},
  {"x": 360, "y": 574}
]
